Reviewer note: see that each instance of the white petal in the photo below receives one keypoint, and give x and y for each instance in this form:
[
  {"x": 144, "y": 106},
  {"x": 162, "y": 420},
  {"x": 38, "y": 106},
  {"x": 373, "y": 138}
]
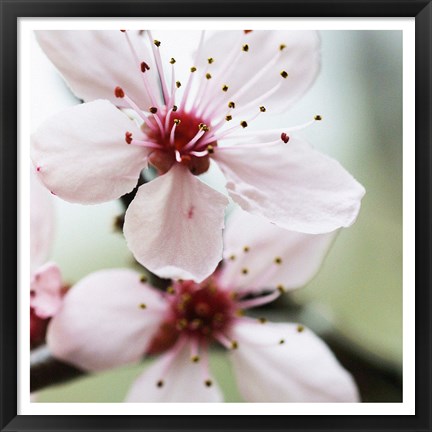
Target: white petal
[
  {"x": 174, "y": 226},
  {"x": 95, "y": 62},
  {"x": 252, "y": 75},
  {"x": 302, "y": 369},
  {"x": 41, "y": 222},
  {"x": 257, "y": 244},
  {"x": 183, "y": 381},
  {"x": 107, "y": 319},
  {"x": 82, "y": 156},
  {"x": 293, "y": 186}
]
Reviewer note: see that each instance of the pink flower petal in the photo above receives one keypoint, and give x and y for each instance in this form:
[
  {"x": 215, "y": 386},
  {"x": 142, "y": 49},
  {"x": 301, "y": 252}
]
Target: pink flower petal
[
  {"x": 81, "y": 154},
  {"x": 46, "y": 290},
  {"x": 273, "y": 256},
  {"x": 293, "y": 186},
  {"x": 253, "y": 74},
  {"x": 107, "y": 319},
  {"x": 180, "y": 380},
  {"x": 95, "y": 62},
  {"x": 302, "y": 369},
  {"x": 174, "y": 226},
  {"x": 41, "y": 222}
]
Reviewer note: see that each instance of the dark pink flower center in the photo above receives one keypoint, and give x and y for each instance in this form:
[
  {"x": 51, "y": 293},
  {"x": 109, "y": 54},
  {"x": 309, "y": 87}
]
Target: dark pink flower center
[
  {"x": 200, "y": 312},
  {"x": 180, "y": 141}
]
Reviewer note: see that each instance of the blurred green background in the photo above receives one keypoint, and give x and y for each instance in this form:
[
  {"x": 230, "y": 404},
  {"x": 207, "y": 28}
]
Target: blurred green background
[{"x": 357, "y": 296}]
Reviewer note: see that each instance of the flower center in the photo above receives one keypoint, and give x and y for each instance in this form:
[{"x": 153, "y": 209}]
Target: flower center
[
  {"x": 199, "y": 312},
  {"x": 180, "y": 140}
]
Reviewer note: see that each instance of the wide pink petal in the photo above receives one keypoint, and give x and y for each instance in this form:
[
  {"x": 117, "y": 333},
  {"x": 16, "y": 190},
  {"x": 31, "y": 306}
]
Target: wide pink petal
[
  {"x": 292, "y": 185},
  {"x": 41, "y": 222},
  {"x": 95, "y": 62},
  {"x": 301, "y": 369},
  {"x": 107, "y": 319},
  {"x": 174, "y": 226},
  {"x": 182, "y": 381},
  {"x": 272, "y": 255},
  {"x": 46, "y": 290},
  {"x": 255, "y": 74},
  {"x": 81, "y": 154}
]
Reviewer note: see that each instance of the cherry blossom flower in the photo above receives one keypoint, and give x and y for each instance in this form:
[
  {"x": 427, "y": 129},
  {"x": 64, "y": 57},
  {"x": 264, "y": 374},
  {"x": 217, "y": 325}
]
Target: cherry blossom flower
[
  {"x": 45, "y": 278},
  {"x": 114, "y": 317},
  {"x": 95, "y": 152}
]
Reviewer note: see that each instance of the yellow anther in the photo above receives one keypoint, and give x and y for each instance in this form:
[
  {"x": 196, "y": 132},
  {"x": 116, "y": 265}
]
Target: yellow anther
[
  {"x": 284, "y": 74},
  {"x": 282, "y": 341},
  {"x": 157, "y": 43},
  {"x": 172, "y": 61},
  {"x": 246, "y": 249},
  {"x": 142, "y": 306},
  {"x": 262, "y": 108},
  {"x": 160, "y": 383},
  {"x": 224, "y": 88},
  {"x": 234, "y": 344},
  {"x": 300, "y": 328},
  {"x": 210, "y": 60},
  {"x": 282, "y": 47},
  {"x": 318, "y": 118},
  {"x": 281, "y": 289},
  {"x": 208, "y": 76},
  {"x": 177, "y": 121},
  {"x": 240, "y": 312},
  {"x": 245, "y": 271},
  {"x": 178, "y": 84},
  {"x": 174, "y": 108},
  {"x": 195, "y": 359},
  {"x": 153, "y": 110},
  {"x": 245, "y": 47},
  {"x": 278, "y": 260},
  {"x": 228, "y": 117},
  {"x": 232, "y": 257},
  {"x": 262, "y": 320},
  {"x": 170, "y": 290},
  {"x": 231, "y": 104},
  {"x": 143, "y": 278},
  {"x": 210, "y": 149},
  {"x": 193, "y": 69},
  {"x": 243, "y": 124},
  {"x": 208, "y": 383}
]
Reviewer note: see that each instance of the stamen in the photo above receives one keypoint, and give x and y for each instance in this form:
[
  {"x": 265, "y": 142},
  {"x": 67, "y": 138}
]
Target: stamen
[
  {"x": 143, "y": 306},
  {"x": 282, "y": 47},
  {"x": 227, "y": 343},
  {"x": 172, "y": 61},
  {"x": 300, "y": 328},
  {"x": 140, "y": 143},
  {"x": 246, "y": 249},
  {"x": 144, "y": 67},
  {"x": 192, "y": 142},
  {"x": 258, "y": 301},
  {"x": 156, "y": 54},
  {"x": 245, "y": 47},
  {"x": 210, "y": 60},
  {"x": 141, "y": 65},
  {"x": 224, "y": 88},
  {"x": 120, "y": 93},
  {"x": 284, "y": 74}
]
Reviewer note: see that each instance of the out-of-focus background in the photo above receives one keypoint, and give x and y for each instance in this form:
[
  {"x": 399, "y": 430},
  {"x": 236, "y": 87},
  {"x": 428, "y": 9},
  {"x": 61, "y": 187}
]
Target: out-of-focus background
[{"x": 356, "y": 299}]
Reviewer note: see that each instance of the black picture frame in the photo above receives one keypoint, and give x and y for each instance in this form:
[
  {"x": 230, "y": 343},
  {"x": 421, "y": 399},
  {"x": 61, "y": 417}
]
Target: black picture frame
[{"x": 12, "y": 10}]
